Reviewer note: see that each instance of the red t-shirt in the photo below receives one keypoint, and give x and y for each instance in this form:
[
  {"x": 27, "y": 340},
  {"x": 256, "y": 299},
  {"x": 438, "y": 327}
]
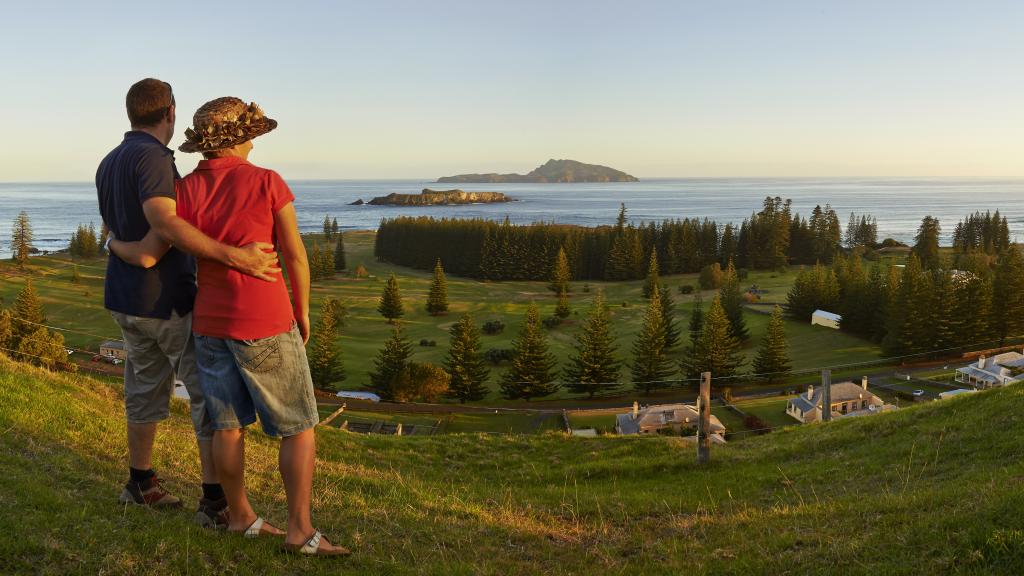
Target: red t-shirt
[{"x": 232, "y": 201}]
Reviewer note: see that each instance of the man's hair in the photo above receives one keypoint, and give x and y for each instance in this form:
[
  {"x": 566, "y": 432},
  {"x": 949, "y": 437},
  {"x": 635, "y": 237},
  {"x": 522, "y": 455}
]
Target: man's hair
[{"x": 148, "y": 102}]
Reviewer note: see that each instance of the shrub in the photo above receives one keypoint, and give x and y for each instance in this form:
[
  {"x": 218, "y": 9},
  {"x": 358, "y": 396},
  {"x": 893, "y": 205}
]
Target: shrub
[
  {"x": 551, "y": 322},
  {"x": 758, "y": 425},
  {"x": 727, "y": 394},
  {"x": 586, "y": 288},
  {"x": 686, "y": 289},
  {"x": 742, "y": 273},
  {"x": 711, "y": 277},
  {"x": 493, "y": 327},
  {"x": 498, "y": 355},
  {"x": 625, "y": 304},
  {"x": 424, "y": 342}
]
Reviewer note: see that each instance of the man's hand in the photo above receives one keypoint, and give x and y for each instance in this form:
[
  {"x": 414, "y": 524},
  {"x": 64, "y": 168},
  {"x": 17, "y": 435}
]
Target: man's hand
[
  {"x": 256, "y": 259},
  {"x": 303, "y": 323}
]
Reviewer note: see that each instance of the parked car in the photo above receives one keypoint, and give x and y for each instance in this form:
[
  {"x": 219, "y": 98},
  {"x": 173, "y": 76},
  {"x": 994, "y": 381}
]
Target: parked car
[{"x": 918, "y": 392}]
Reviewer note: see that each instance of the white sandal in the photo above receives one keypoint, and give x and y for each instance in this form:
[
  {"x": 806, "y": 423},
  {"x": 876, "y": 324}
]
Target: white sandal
[{"x": 312, "y": 547}]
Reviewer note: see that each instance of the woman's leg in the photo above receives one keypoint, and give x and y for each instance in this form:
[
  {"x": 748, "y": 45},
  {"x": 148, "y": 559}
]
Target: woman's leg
[
  {"x": 296, "y": 460},
  {"x": 229, "y": 458}
]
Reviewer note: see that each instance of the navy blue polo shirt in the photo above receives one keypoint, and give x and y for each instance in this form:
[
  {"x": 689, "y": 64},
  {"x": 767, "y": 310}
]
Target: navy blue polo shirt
[{"x": 140, "y": 168}]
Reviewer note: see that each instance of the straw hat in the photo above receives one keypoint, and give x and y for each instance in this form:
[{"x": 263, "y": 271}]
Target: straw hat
[{"x": 223, "y": 123}]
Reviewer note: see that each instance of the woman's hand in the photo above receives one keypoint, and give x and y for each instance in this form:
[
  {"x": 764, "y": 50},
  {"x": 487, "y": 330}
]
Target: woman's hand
[{"x": 303, "y": 322}]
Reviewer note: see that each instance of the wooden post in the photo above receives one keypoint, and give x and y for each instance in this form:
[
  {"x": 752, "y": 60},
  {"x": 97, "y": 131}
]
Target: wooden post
[
  {"x": 704, "y": 420},
  {"x": 826, "y": 395}
]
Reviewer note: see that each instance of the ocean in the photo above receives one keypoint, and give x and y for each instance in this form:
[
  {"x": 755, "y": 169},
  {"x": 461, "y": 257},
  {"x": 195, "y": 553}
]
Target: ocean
[{"x": 56, "y": 209}]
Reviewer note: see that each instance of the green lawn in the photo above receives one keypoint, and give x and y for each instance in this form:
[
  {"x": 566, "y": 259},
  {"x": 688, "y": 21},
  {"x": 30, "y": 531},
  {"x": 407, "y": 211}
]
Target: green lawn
[
  {"x": 772, "y": 410},
  {"x": 936, "y": 490},
  {"x": 79, "y": 307}
]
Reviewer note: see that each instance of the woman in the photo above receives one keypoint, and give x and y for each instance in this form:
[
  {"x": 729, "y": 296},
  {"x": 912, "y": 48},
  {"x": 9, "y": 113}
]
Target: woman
[{"x": 249, "y": 337}]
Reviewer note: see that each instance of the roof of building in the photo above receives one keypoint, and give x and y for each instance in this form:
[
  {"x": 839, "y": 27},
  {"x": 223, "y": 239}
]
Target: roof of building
[
  {"x": 660, "y": 415},
  {"x": 840, "y": 392},
  {"x": 116, "y": 344},
  {"x": 827, "y": 315},
  {"x": 1001, "y": 367},
  {"x": 359, "y": 395}
]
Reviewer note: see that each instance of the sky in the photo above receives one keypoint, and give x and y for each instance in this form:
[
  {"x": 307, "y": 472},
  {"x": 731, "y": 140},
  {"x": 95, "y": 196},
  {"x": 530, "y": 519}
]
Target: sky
[{"x": 412, "y": 89}]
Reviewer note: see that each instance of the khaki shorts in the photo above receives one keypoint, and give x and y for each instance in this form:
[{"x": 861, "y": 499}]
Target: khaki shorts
[{"x": 160, "y": 352}]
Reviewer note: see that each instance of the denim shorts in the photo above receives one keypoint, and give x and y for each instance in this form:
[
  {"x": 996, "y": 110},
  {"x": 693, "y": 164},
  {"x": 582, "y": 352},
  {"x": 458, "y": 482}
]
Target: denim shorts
[{"x": 269, "y": 377}]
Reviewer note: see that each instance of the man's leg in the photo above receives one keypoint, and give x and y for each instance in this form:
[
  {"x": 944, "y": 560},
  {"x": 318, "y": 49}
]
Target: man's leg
[
  {"x": 148, "y": 382},
  {"x": 140, "y": 444},
  {"x": 179, "y": 343}
]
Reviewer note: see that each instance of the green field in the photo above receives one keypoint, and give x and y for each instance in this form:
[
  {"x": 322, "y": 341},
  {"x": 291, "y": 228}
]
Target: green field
[
  {"x": 936, "y": 490},
  {"x": 79, "y": 307}
]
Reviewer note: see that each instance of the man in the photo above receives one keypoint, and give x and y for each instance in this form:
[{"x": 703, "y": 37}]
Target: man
[{"x": 153, "y": 304}]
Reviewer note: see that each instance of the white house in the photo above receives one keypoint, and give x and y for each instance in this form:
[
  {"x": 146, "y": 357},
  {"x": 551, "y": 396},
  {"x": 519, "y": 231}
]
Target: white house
[
  {"x": 113, "y": 349},
  {"x": 999, "y": 370},
  {"x": 827, "y": 319},
  {"x": 846, "y": 399},
  {"x": 651, "y": 419}
]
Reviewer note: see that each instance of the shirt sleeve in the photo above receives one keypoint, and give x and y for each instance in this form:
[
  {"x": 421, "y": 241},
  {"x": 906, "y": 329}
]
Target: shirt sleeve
[
  {"x": 280, "y": 193},
  {"x": 156, "y": 174}
]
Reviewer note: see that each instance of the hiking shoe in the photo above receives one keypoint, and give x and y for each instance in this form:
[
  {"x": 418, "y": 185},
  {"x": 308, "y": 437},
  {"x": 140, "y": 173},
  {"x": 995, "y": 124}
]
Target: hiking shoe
[
  {"x": 148, "y": 493},
  {"x": 212, "y": 514}
]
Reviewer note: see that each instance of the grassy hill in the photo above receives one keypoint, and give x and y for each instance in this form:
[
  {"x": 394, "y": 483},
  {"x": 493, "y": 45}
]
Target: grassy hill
[{"x": 932, "y": 489}]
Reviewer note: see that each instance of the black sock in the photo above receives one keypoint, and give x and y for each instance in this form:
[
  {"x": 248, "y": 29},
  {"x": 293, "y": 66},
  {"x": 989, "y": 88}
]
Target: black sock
[
  {"x": 140, "y": 476},
  {"x": 212, "y": 491}
]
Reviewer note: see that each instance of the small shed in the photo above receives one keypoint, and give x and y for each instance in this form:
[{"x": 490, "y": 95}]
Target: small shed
[
  {"x": 113, "y": 349},
  {"x": 826, "y": 319}
]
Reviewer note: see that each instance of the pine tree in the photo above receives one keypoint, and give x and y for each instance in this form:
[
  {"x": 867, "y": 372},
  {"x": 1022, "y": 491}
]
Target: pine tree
[
  {"x": 46, "y": 349},
  {"x": 651, "y": 365},
  {"x": 772, "y": 359},
  {"x": 688, "y": 365},
  {"x": 1008, "y": 295},
  {"x": 327, "y": 262},
  {"x": 6, "y": 333},
  {"x": 718, "y": 350},
  {"x": 464, "y": 363},
  {"x": 732, "y": 302},
  {"x": 390, "y": 305},
  {"x": 28, "y": 313},
  {"x": 327, "y": 228},
  {"x": 531, "y": 374},
  {"x": 102, "y": 238},
  {"x": 905, "y": 334},
  {"x": 560, "y": 274},
  {"x": 339, "y": 253},
  {"x": 651, "y": 282},
  {"x": 593, "y": 366},
  {"x": 316, "y": 263},
  {"x": 668, "y": 314},
  {"x": 334, "y": 226},
  {"x": 325, "y": 362},
  {"x": 437, "y": 299},
  {"x": 21, "y": 239},
  {"x": 390, "y": 362},
  {"x": 926, "y": 245},
  {"x": 562, "y": 309},
  {"x": 974, "y": 309}
]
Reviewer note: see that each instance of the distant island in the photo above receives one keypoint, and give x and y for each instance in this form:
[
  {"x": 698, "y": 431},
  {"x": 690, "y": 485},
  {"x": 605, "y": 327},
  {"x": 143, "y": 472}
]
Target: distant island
[
  {"x": 551, "y": 171},
  {"x": 430, "y": 197}
]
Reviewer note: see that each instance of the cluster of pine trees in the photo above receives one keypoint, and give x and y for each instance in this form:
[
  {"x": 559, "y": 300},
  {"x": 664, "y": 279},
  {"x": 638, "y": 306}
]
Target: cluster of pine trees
[
  {"x": 988, "y": 233},
  {"x": 477, "y": 248},
  {"x": 925, "y": 306},
  {"x": 325, "y": 261},
  {"x": 23, "y": 336},
  {"x": 84, "y": 242},
  {"x": 594, "y": 366}
]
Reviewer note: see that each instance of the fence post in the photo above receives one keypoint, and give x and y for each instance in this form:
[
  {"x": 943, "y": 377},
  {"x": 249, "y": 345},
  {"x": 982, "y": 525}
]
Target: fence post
[
  {"x": 826, "y": 395},
  {"x": 704, "y": 420}
]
